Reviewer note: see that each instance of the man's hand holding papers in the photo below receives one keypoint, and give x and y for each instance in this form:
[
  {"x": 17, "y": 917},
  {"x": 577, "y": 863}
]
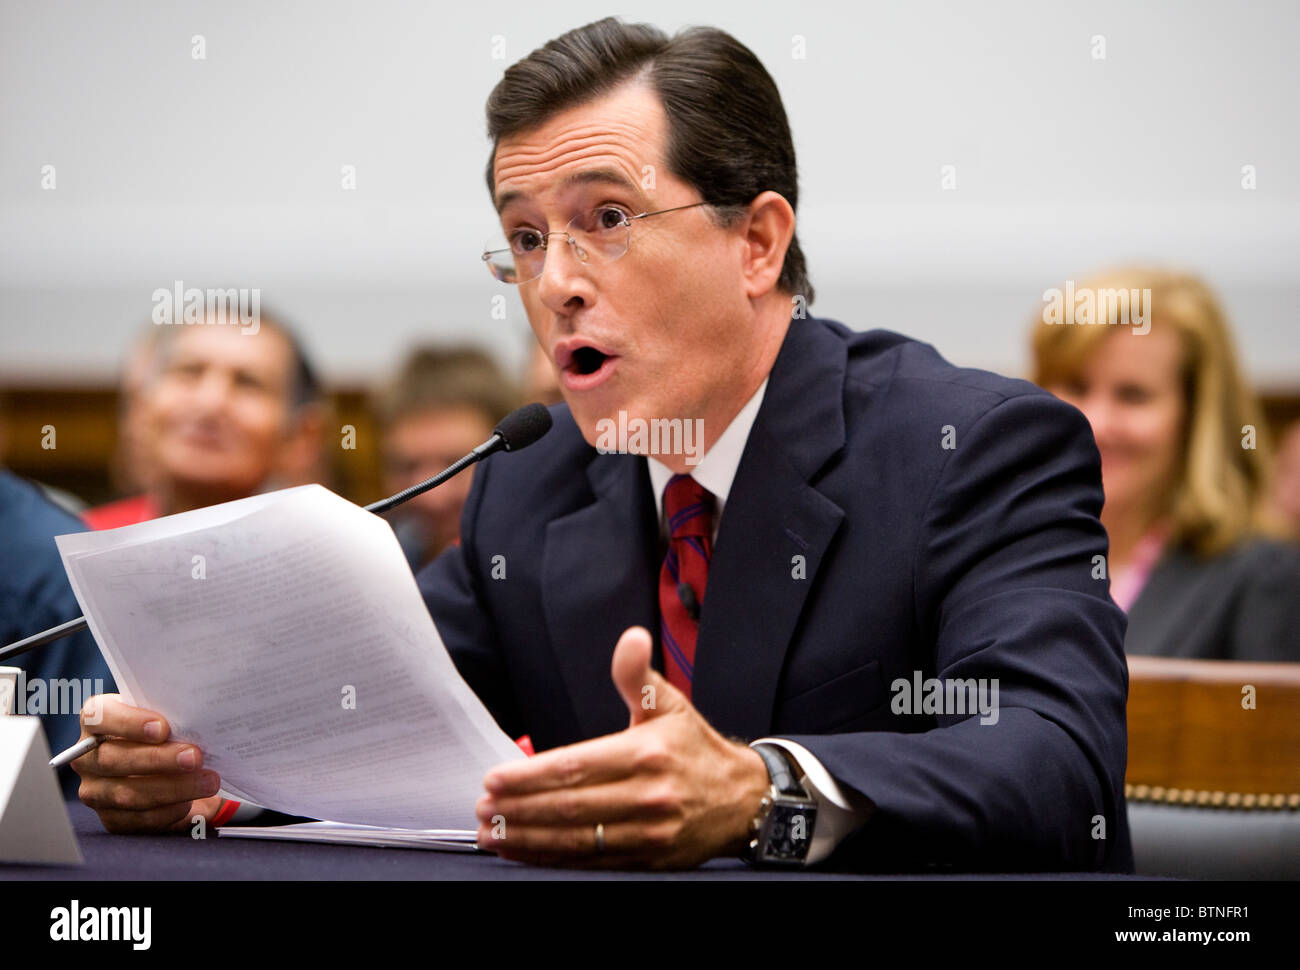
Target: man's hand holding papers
[{"x": 137, "y": 780}]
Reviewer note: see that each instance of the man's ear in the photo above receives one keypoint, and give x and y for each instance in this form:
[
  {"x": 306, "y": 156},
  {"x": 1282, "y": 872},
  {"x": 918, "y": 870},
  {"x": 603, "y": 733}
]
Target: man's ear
[{"x": 767, "y": 229}]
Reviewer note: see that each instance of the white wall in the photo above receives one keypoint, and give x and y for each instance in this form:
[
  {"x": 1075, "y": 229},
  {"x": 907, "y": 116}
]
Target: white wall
[{"x": 225, "y": 171}]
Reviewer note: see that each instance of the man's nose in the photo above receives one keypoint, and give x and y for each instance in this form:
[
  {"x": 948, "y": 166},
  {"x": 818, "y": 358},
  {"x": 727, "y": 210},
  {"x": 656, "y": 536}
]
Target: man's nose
[
  {"x": 565, "y": 284},
  {"x": 211, "y": 392}
]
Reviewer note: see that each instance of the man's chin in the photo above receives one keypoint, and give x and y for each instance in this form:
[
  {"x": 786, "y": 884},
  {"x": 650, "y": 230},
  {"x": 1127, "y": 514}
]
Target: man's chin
[
  {"x": 589, "y": 416},
  {"x": 622, "y": 429},
  {"x": 216, "y": 486}
]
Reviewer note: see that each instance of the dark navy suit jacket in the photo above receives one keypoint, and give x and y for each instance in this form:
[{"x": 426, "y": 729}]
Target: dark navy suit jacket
[{"x": 974, "y": 560}]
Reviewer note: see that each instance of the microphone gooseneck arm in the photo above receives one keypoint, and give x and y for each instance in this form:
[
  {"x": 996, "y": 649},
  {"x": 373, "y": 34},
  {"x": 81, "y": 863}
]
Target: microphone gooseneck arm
[
  {"x": 390, "y": 503},
  {"x": 45, "y": 636}
]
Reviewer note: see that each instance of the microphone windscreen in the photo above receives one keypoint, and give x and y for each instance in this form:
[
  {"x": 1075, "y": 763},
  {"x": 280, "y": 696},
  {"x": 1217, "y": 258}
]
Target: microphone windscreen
[{"x": 521, "y": 427}]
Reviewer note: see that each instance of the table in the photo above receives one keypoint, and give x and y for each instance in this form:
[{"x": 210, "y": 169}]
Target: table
[{"x": 111, "y": 857}]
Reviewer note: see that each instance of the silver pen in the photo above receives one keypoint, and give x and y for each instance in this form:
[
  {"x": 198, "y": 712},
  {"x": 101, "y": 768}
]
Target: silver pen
[{"x": 83, "y": 746}]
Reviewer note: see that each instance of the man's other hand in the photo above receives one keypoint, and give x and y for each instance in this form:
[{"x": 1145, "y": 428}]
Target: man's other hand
[{"x": 668, "y": 792}]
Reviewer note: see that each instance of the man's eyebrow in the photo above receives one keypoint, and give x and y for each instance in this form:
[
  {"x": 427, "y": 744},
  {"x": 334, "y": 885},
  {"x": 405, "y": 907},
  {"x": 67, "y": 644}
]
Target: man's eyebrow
[{"x": 601, "y": 176}]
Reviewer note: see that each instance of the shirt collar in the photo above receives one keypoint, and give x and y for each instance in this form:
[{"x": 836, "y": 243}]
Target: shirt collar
[{"x": 717, "y": 468}]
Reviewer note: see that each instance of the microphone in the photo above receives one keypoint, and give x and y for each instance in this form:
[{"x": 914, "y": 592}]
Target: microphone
[
  {"x": 518, "y": 429},
  {"x": 522, "y": 426}
]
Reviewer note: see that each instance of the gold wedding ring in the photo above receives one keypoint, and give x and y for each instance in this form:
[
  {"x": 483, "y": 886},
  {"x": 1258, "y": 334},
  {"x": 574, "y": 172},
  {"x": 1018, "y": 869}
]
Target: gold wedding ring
[{"x": 600, "y": 837}]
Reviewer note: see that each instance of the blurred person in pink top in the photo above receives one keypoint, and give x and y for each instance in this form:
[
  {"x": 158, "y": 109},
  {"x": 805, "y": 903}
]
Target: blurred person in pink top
[{"x": 1185, "y": 462}]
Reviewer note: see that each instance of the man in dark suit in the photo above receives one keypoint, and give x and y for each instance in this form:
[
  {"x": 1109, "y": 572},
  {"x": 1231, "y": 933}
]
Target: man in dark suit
[
  {"x": 869, "y": 574},
  {"x": 854, "y": 551},
  {"x": 890, "y": 519}
]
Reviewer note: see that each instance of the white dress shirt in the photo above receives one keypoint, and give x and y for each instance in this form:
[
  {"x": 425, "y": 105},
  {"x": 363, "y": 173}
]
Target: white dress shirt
[{"x": 838, "y": 813}]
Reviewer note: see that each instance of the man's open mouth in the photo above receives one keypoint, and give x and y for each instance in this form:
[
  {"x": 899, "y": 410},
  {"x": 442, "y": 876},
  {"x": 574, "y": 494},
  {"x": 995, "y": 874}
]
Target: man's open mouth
[
  {"x": 587, "y": 360},
  {"x": 583, "y": 366}
]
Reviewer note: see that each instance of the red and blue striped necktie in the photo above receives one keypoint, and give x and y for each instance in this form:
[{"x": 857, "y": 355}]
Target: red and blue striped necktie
[{"x": 688, "y": 509}]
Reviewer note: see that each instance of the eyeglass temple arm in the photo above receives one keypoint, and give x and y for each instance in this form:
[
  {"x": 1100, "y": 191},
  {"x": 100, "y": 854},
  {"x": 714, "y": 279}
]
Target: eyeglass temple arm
[{"x": 659, "y": 212}]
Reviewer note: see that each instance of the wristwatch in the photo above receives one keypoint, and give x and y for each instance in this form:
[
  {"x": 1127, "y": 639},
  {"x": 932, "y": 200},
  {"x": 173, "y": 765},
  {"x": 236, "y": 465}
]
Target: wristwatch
[{"x": 782, "y": 830}]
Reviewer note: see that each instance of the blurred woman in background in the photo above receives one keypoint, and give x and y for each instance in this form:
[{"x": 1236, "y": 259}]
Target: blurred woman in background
[{"x": 1185, "y": 461}]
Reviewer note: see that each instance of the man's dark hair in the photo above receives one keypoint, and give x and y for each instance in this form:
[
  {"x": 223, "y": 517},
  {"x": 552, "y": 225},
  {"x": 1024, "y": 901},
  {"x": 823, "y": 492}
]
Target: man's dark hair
[{"x": 727, "y": 131}]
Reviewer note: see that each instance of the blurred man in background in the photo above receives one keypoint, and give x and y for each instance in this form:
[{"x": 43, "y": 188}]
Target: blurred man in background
[
  {"x": 210, "y": 414},
  {"x": 443, "y": 403},
  {"x": 220, "y": 414}
]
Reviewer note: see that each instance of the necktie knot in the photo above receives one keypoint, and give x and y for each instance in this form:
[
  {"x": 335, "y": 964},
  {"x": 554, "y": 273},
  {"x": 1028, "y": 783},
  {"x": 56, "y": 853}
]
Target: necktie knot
[{"x": 688, "y": 508}]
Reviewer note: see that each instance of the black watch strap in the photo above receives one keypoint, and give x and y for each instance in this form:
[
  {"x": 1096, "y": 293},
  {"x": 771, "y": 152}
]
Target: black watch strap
[{"x": 780, "y": 770}]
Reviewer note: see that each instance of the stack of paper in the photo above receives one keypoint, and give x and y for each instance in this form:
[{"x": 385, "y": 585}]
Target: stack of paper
[
  {"x": 285, "y": 636},
  {"x": 448, "y": 840}
]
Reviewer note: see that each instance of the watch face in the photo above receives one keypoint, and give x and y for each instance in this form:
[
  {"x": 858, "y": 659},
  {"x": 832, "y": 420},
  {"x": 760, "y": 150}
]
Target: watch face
[{"x": 787, "y": 832}]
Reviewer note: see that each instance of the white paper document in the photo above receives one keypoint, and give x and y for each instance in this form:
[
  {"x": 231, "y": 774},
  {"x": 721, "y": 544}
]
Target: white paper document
[
  {"x": 336, "y": 833},
  {"x": 285, "y": 636}
]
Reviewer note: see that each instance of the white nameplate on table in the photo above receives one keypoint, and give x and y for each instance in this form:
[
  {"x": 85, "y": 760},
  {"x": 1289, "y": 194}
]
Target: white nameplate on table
[{"x": 34, "y": 825}]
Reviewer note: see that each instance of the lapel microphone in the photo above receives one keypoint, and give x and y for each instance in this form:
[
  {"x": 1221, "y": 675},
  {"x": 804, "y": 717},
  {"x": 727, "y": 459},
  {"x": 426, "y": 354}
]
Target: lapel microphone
[{"x": 518, "y": 429}]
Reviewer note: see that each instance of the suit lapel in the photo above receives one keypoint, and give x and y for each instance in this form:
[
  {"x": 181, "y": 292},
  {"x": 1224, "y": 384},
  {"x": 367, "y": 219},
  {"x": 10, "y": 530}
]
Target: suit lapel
[
  {"x": 599, "y": 575},
  {"x": 757, "y": 586}
]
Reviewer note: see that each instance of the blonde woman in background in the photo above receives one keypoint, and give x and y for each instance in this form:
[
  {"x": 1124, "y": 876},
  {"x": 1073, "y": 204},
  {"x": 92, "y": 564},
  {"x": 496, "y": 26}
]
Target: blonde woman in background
[{"x": 1185, "y": 460}]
